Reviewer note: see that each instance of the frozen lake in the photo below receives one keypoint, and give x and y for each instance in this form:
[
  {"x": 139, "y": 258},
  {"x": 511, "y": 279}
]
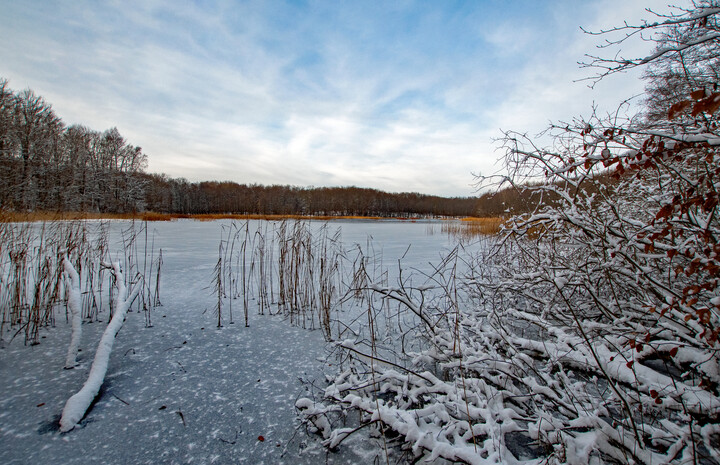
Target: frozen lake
[
  {"x": 184, "y": 391},
  {"x": 194, "y": 244}
]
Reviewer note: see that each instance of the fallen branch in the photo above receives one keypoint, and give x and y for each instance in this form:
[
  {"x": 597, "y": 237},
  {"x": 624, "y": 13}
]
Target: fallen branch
[
  {"x": 78, "y": 404},
  {"x": 74, "y": 303}
]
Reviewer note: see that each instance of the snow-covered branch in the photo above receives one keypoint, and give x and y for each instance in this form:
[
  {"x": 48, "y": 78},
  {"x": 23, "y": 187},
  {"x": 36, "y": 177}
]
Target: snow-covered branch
[
  {"x": 74, "y": 303},
  {"x": 78, "y": 404},
  {"x": 685, "y": 32}
]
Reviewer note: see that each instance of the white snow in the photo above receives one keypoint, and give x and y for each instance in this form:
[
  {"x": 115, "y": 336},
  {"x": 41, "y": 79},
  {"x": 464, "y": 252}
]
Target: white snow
[
  {"x": 78, "y": 404},
  {"x": 183, "y": 364},
  {"x": 74, "y": 304}
]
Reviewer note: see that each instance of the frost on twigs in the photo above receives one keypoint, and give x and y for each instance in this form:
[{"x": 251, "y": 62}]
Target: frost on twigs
[
  {"x": 596, "y": 330},
  {"x": 445, "y": 392},
  {"x": 78, "y": 404},
  {"x": 684, "y": 31},
  {"x": 544, "y": 367}
]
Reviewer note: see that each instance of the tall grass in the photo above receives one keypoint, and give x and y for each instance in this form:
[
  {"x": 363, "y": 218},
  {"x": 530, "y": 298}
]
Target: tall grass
[
  {"x": 472, "y": 228},
  {"x": 287, "y": 268},
  {"x": 32, "y": 287},
  {"x": 303, "y": 272}
]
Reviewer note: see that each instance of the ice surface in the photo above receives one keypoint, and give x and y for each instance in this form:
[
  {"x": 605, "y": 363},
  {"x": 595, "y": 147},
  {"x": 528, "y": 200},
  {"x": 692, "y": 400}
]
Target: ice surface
[{"x": 184, "y": 391}]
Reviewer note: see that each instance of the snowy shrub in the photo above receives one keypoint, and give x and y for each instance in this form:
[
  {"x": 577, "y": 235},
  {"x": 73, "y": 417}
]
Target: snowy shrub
[{"x": 595, "y": 332}]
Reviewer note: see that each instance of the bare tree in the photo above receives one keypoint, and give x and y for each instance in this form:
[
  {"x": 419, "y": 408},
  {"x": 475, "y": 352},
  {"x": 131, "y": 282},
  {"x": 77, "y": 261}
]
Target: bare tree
[{"x": 37, "y": 127}]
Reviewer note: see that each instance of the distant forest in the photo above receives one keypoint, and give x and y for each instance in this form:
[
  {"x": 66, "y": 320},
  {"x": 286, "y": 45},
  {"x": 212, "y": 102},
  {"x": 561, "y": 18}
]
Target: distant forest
[{"x": 48, "y": 166}]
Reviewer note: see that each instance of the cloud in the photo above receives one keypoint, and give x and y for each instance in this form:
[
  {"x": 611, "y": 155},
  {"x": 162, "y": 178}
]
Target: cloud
[{"x": 401, "y": 96}]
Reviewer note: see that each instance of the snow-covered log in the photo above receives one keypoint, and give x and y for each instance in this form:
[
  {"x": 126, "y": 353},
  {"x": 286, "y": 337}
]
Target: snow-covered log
[
  {"x": 78, "y": 404},
  {"x": 74, "y": 303}
]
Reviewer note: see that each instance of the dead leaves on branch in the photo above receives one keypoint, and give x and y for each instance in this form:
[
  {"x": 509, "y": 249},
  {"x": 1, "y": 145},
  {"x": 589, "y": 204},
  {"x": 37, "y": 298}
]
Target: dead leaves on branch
[
  {"x": 701, "y": 103},
  {"x": 681, "y": 230},
  {"x": 677, "y": 108}
]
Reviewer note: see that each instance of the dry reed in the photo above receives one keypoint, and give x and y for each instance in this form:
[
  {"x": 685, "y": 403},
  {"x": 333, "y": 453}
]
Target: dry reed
[
  {"x": 471, "y": 228},
  {"x": 285, "y": 265},
  {"x": 31, "y": 271}
]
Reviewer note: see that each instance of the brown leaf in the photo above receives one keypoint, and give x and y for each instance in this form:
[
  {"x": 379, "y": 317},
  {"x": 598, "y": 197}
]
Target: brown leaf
[
  {"x": 664, "y": 212},
  {"x": 710, "y": 203},
  {"x": 709, "y": 105},
  {"x": 698, "y": 94},
  {"x": 692, "y": 289},
  {"x": 712, "y": 103},
  {"x": 678, "y": 108}
]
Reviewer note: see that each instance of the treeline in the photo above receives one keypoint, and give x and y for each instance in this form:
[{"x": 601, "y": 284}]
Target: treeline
[
  {"x": 48, "y": 166},
  {"x": 164, "y": 194}
]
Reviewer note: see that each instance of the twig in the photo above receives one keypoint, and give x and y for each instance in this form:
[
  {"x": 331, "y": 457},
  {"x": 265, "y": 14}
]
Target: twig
[{"x": 118, "y": 398}]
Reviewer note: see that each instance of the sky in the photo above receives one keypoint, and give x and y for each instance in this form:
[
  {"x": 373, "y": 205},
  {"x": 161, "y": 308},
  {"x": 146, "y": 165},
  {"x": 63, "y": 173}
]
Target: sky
[{"x": 402, "y": 96}]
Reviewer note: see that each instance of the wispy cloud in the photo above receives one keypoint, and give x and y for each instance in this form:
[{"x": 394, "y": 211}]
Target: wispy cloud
[{"x": 399, "y": 96}]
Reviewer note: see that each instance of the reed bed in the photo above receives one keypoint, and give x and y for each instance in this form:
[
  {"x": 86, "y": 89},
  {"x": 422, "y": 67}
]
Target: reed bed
[
  {"x": 378, "y": 320},
  {"x": 48, "y": 217},
  {"x": 472, "y": 228},
  {"x": 32, "y": 284},
  {"x": 305, "y": 273},
  {"x": 285, "y": 268}
]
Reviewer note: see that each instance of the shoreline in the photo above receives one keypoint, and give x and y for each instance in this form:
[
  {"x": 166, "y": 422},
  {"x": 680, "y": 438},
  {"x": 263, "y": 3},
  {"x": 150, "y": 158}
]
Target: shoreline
[{"x": 21, "y": 217}]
